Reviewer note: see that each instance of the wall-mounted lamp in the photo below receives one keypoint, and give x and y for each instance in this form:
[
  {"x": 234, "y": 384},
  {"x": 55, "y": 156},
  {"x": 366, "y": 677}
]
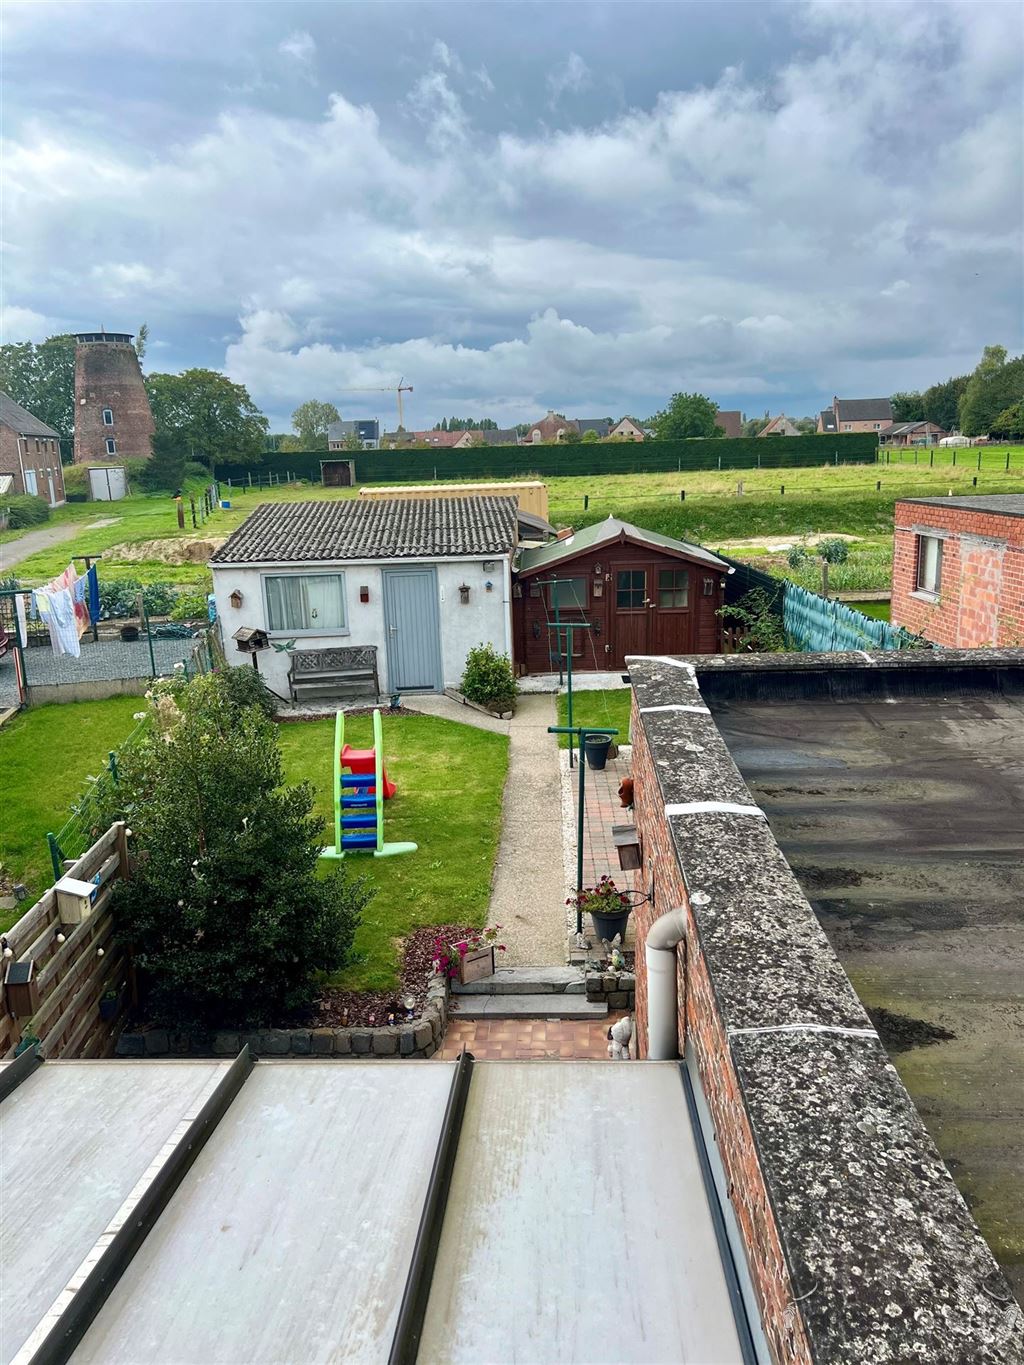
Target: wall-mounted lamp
[
  {"x": 364, "y": 593},
  {"x": 236, "y": 599},
  {"x": 517, "y": 591},
  {"x": 464, "y": 594},
  {"x": 536, "y": 630},
  {"x": 597, "y": 627}
]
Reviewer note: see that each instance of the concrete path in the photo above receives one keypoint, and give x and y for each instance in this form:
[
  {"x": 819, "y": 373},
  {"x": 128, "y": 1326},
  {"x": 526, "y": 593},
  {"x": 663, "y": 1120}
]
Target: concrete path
[
  {"x": 528, "y": 894},
  {"x": 14, "y": 551},
  {"x": 437, "y": 704}
]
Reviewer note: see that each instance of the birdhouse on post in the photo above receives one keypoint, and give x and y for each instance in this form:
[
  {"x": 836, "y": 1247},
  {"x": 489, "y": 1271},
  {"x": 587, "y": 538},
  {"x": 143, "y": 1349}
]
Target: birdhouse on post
[{"x": 250, "y": 640}]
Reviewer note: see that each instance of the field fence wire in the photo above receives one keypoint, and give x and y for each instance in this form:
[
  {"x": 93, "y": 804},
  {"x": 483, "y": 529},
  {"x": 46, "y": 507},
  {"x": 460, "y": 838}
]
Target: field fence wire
[{"x": 95, "y": 807}]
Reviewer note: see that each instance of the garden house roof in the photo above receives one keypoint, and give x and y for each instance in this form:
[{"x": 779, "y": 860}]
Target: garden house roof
[
  {"x": 364, "y": 528},
  {"x": 606, "y": 532}
]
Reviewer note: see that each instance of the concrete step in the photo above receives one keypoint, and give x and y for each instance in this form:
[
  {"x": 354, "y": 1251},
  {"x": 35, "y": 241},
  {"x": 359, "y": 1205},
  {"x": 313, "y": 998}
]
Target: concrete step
[
  {"x": 526, "y": 981},
  {"x": 549, "y": 1006}
]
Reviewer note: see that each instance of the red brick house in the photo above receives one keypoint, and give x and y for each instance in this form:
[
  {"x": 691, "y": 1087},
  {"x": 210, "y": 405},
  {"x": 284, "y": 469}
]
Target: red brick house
[
  {"x": 911, "y": 434},
  {"x": 958, "y": 570},
  {"x": 855, "y": 414},
  {"x": 731, "y": 422},
  {"x": 642, "y": 594},
  {"x": 29, "y": 454}
]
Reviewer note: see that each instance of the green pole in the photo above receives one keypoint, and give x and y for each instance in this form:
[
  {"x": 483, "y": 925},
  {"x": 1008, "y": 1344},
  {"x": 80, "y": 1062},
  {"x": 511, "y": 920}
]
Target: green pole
[
  {"x": 581, "y": 732},
  {"x": 149, "y": 635},
  {"x": 378, "y": 776},
  {"x": 568, "y": 674},
  {"x": 339, "y": 744},
  {"x": 55, "y": 859}
]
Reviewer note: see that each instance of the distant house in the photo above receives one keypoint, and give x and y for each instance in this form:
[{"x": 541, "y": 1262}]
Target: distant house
[
  {"x": 731, "y": 423},
  {"x": 855, "y": 414},
  {"x": 627, "y": 428},
  {"x": 555, "y": 425},
  {"x": 29, "y": 454},
  {"x": 442, "y": 440},
  {"x": 780, "y": 426},
  {"x": 958, "y": 566},
  {"x": 487, "y": 436},
  {"x": 366, "y": 430},
  {"x": 911, "y": 434}
]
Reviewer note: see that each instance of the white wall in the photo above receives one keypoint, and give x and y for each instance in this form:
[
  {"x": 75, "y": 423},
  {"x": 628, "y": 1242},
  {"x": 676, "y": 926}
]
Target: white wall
[{"x": 485, "y": 619}]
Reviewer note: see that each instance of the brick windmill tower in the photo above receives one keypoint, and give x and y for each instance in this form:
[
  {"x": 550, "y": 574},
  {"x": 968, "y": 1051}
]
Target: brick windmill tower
[{"x": 113, "y": 421}]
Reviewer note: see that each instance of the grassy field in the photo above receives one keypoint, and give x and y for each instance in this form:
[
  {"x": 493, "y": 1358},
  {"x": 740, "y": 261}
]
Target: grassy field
[
  {"x": 609, "y": 708},
  {"x": 450, "y": 780},
  {"x": 818, "y": 500},
  {"x": 881, "y": 611},
  {"x": 46, "y": 755}
]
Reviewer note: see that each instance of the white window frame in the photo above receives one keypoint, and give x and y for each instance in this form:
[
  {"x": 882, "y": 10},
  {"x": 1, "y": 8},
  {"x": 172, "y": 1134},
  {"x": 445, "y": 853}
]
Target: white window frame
[
  {"x": 275, "y": 634},
  {"x": 932, "y": 589},
  {"x": 108, "y": 417},
  {"x": 111, "y": 446}
]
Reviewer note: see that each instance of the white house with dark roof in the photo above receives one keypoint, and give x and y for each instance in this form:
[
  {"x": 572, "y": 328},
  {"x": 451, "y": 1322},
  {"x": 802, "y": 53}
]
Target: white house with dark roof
[{"x": 420, "y": 581}]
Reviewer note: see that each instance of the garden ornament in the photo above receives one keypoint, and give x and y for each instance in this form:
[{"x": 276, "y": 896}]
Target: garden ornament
[{"x": 618, "y": 1039}]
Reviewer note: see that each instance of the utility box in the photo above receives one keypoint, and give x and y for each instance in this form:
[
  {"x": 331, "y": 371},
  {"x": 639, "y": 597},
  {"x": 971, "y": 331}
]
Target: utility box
[
  {"x": 21, "y": 989},
  {"x": 75, "y": 899}
]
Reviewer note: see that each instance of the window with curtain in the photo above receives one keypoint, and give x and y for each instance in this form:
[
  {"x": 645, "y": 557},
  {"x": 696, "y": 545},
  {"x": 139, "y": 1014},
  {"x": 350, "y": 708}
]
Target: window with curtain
[
  {"x": 673, "y": 587},
  {"x": 929, "y": 564},
  {"x": 306, "y": 602}
]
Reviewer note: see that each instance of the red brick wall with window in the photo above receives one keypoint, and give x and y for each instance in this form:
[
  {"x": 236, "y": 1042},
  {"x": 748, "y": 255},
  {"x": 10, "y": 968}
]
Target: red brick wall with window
[
  {"x": 700, "y": 1021},
  {"x": 39, "y": 453},
  {"x": 980, "y": 601}
]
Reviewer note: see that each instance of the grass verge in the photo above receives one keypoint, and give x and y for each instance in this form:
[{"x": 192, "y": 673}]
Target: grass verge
[{"x": 607, "y": 708}]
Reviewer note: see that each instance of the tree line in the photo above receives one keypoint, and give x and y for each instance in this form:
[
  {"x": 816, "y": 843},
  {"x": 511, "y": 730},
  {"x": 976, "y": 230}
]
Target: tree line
[{"x": 990, "y": 400}]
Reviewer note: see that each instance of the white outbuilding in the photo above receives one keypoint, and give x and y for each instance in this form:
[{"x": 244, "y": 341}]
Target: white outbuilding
[{"x": 405, "y": 587}]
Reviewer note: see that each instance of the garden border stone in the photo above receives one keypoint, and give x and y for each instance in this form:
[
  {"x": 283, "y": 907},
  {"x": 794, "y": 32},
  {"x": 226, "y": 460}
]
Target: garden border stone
[{"x": 418, "y": 1037}]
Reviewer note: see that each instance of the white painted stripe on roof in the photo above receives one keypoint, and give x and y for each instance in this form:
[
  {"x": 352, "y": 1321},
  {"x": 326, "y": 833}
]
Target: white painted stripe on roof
[
  {"x": 865, "y": 655},
  {"x": 676, "y": 706},
  {"x": 665, "y": 659},
  {"x": 806, "y": 1028},
  {"x": 703, "y": 807}
]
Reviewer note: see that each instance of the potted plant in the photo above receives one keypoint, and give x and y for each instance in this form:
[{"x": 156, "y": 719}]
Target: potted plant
[
  {"x": 607, "y": 905},
  {"x": 109, "y": 1001},
  {"x": 471, "y": 959}
]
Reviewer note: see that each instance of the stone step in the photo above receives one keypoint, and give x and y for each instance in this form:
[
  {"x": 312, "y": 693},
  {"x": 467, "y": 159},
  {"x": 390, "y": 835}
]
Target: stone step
[
  {"x": 549, "y": 1006},
  {"x": 526, "y": 981}
]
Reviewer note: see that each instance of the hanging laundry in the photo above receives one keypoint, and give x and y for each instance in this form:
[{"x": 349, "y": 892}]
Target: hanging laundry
[
  {"x": 69, "y": 579},
  {"x": 33, "y": 607},
  {"x": 19, "y": 611},
  {"x": 41, "y": 600},
  {"x": 58, "y": 611},
  {"x": 94, "y": 592}
]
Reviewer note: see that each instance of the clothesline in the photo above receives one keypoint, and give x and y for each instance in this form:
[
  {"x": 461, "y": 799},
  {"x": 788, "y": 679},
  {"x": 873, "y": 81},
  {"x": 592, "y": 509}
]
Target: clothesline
[{"x": 67, "y": 606}]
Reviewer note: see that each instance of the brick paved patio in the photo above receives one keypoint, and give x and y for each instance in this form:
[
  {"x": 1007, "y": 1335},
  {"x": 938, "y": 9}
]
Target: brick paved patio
[
  {"x": 521, "y": 1039},
  {"x": 602, "y": 810}
]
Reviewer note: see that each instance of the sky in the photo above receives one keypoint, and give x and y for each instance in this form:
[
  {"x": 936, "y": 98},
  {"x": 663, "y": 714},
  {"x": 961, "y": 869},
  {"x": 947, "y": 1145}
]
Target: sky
[{"x": 517, "y": 206}]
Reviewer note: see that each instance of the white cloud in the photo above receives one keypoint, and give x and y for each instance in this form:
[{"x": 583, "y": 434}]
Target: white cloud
[
  {"x": 23, "y": 324},
  {"x": 572, "y": 76},
  {"x": 300, "y": 47}
]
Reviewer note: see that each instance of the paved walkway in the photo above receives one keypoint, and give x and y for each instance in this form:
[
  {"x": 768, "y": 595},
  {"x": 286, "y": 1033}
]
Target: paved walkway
[
  {"x": 602, "y": 810},
  {"x": 522, "y": 1039},
  {"x": 528, "y": 893},
  {"x": 14, "y": 551},
  {"x": 437, "y": 704}
]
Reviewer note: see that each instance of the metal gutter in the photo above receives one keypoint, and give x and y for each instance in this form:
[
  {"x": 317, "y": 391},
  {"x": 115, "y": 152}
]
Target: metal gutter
[
  {"x": 409, "y": 1328},
  {"x": 19, "y": 1070}
]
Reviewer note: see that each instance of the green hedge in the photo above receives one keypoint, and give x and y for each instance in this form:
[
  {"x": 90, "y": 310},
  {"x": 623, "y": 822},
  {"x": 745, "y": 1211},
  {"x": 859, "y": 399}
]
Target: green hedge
[
  {"x": 560, "y": 461},
  {"x": 25, "y": 509}
]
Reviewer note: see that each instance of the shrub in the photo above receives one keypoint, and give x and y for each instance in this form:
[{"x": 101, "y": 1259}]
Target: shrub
[
  {"x": 25, "y": 509},
  {"x": 245, "y": 687},
  {"x": 119, "y": 598},
  {"x": 194, "y": 469},
  {"x": 76, "y": 482},
  {"x": 189, "y": 605},
  {"x": 488, "y": 679},
  {"x": 758, "y": 613},
  {"x": 225, "y": 914}
]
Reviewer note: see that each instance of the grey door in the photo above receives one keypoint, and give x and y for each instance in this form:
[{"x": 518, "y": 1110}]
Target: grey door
[{"x": 413, "y": 627}]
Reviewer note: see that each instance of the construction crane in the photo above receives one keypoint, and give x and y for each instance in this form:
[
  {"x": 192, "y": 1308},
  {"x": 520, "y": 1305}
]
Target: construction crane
[{"x": 399, "y": 388}]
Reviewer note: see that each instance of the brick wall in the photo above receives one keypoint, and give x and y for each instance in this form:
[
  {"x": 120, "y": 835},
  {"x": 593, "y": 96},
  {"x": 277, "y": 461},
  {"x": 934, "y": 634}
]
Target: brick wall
[
  {"x": 698, "y": 1017},
  {"x": 39, "y": 453},
  {"x": 107, "y": 375},
  {"x": 981, "y": 592}
]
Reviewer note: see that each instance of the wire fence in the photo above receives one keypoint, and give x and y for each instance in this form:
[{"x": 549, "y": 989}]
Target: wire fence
[{"x": 94, "y": 809}]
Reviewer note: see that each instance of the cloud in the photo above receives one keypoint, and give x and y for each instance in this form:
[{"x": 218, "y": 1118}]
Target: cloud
[
  {"x": 792, "y": 233},
  {"x": 300, "y": 47},
  {"x": 23, "y": 324},
  {"x": 572, "y": 76}
]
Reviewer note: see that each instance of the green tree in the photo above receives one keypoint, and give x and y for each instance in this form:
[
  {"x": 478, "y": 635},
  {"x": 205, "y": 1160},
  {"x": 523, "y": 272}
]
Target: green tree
[
  {"x": 590, "y": 437},
  {"x": 209, "y": 417},
  {"x": 141, "y": 341},
  {"x": 907, "y": 407},
  {"x": 571, "y": 437},
  {"x": 832, "y": 550},
  {"x": 1010, "y": 422},
  {"x": 995, "y": 385},
  {"x": 754, "y": 425},
  {"x": 225, "y": 913},
  {"x": 806, "y": 426},
  {"x": 688, "y": 414},
  {"x": 165, "y": 472},
  {"x": 42, "y": 378},
  {"x": 942, "y": 402},
  {"x": 311, "y": 420}
]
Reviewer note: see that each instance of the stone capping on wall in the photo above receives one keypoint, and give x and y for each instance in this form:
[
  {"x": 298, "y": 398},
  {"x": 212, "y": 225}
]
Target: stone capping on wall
[
  {"x": 884, "y": 1260},
  {"x": 419, "y": 1037}
]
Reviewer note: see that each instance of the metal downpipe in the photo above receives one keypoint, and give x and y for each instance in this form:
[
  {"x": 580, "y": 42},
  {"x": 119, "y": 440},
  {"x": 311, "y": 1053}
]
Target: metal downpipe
[{"x": 665, "y": 934}]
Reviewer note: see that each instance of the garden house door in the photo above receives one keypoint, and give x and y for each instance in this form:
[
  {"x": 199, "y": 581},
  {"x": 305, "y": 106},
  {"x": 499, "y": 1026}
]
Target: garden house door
[
  {"x": 413, "y": 627},
  {"x": 652, "y": 608}
]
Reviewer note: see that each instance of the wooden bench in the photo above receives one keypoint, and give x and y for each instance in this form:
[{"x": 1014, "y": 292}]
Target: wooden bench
[{"x": 339, "y": 671}]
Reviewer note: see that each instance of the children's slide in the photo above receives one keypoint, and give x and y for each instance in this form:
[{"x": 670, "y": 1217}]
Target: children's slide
[{"x": 360, "y": 788}]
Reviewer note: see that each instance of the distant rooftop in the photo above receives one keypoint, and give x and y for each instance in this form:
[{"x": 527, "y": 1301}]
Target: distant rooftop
[
  {"x": 1002, "y": 504},
  {"x": 19, "y": 419}
]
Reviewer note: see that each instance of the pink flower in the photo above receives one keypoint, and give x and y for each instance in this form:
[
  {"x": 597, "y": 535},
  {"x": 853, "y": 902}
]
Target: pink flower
[{"x": 501, "y": 947}]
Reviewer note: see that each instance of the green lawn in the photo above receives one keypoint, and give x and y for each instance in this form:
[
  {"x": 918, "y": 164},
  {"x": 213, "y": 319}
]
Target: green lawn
[
  {"x": 608, "y": 708},
  {"x": 450, "y": 780},
  {"x": 46, "y": 755},
  {"x": 879, "y": 610}
]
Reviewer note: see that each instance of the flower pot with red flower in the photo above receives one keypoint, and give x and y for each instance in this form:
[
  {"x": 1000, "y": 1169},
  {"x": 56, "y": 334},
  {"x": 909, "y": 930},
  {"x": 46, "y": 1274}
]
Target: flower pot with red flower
[
  {"x": 608, "y": 907},
  {"x": 471, "y": 959}
]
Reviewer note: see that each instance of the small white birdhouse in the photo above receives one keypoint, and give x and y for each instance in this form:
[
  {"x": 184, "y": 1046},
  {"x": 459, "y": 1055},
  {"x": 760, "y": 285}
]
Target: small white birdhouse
[{"x": 74, "y": 899}]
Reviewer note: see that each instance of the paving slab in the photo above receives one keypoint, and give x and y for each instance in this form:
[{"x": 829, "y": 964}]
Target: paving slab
[
  {"x": 530, "y": 1007},
  {"x": 527, "y": 981}
]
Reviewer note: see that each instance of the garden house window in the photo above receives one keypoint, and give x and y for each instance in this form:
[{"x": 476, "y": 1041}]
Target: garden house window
[
  {"x": 312, "y": 603},
  {"x": 630, "y": 589},
  {"x": 673, "y": 587},
  {"x": 569, "y": 594},
  {"x": 929, "y": 564}
]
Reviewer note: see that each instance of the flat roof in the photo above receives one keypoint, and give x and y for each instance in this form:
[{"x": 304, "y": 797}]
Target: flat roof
[
  {"x": 577, "y": 1228},
  {"x": 903, "y": 823},
  {"x": 1000, "y": 504}
]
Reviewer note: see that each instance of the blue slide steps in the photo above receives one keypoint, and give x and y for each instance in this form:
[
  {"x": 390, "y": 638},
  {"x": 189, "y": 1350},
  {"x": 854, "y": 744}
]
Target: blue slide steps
[
  {"x": 367, "y": 821},
  {"x": 359, "y": 841}
]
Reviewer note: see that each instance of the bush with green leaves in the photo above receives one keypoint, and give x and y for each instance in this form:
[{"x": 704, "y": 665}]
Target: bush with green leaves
[
  {"x": 119, "y": 598},
  {"x": 189, "y": 605},
  {"x": 225, "y": 914},
  {"x": 830, "y": 550},
  {"x": 488, "y": 679},
  {"x": 25, "y": 509},
  {"x": 243, "y": 686},
  {"x": 758, "y": 614}
]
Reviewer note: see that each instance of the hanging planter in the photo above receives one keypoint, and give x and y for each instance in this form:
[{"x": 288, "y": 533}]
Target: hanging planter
[{"x": 608, "y": 907}]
